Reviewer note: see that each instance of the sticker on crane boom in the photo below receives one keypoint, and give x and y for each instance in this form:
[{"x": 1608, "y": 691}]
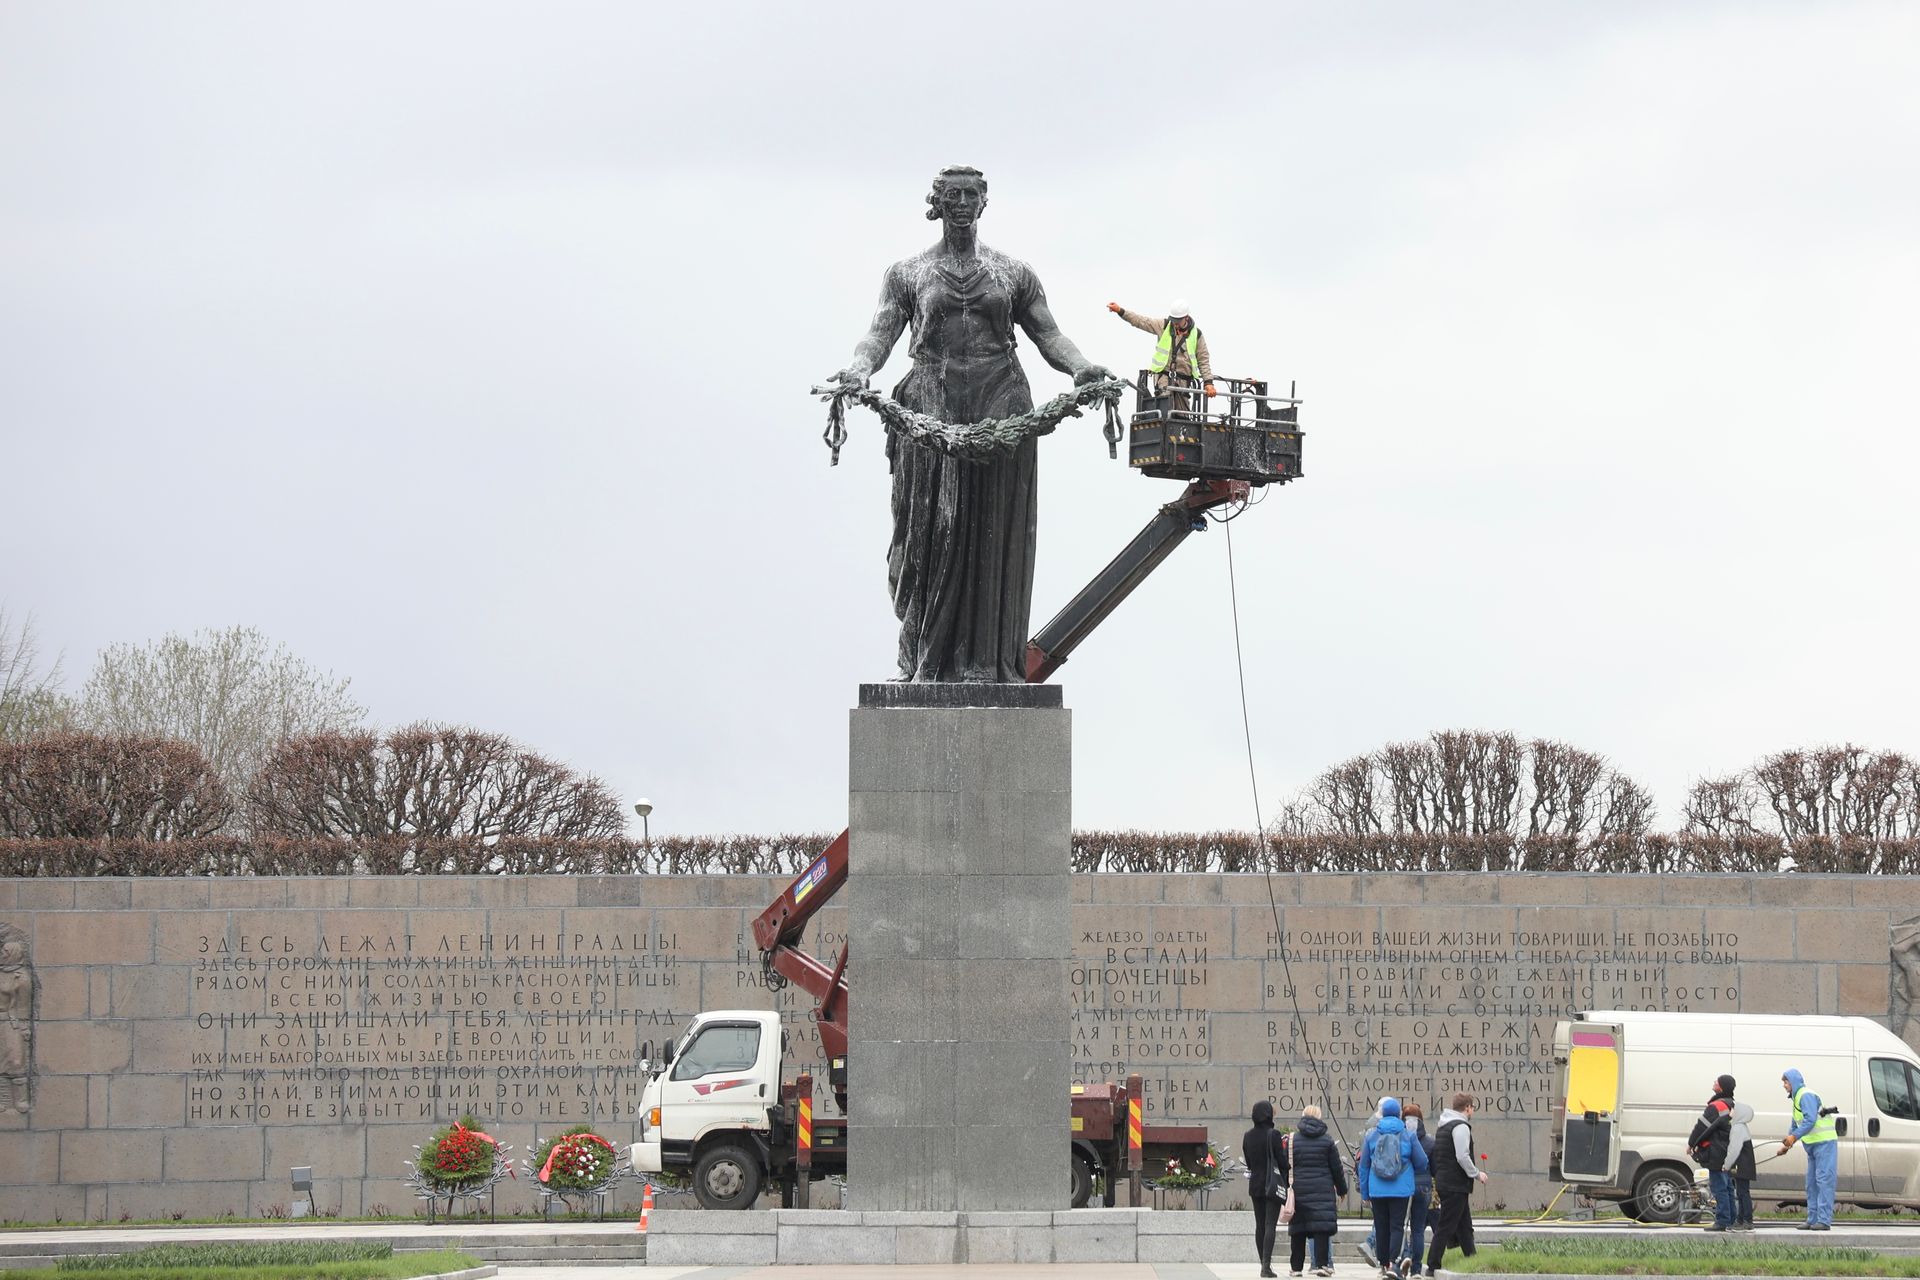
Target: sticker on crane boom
[{"x": 815, "y": 874}]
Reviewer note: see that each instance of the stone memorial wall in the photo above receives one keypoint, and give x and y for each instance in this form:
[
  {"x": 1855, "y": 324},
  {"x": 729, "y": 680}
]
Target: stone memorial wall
[{"x": 176, "y": 1046}]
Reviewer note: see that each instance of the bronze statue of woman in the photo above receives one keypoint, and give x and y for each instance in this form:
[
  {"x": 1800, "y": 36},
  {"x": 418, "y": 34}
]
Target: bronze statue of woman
[{"x": 961, "y": 562}]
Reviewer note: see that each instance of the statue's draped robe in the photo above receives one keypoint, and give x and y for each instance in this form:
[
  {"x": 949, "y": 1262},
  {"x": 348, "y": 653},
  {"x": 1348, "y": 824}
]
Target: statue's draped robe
[
  {"x": 16, "y": 1011},
  {"x": 961, "y": 562}
]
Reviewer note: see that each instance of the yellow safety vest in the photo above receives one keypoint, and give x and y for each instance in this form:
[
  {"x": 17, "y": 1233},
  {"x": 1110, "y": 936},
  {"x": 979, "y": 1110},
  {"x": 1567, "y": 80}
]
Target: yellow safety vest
[
  {"x": 1163, "y": 350},
  {"x": 1822, "y": 1131}
]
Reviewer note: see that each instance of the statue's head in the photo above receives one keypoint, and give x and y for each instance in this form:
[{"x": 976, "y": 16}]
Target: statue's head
[
  {"x": 12, "y": 953},
  {"x": 959, "y": 196}
]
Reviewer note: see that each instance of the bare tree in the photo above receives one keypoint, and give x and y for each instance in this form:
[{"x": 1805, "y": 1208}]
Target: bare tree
[
  {"x": 1299, "y": 816},
  {"x": 1464, "y": 783},
  {"x": 1407, "y": 771},
  {"x": 1724, "y": 806},
  {"x": 31, "y": 701},
  {"x": 1843, "y": 791},
  {"x": 1475, "y": 785},
  {"x": 1345, "y": 796},
  {"x": 85, "y": 786},
  {"x": 1625, "y": 809},
  {"x": 232, "y": 693},
  {"x": 431, "y": 782},
  {"x": 1564, "y": 778}
]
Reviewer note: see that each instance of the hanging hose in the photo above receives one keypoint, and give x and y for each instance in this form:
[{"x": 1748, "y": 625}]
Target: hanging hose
[
  {"x": 1266, "y": 864},
  {"x": 1623, "y": 1223},
  {"x": 972, "y": 441}
]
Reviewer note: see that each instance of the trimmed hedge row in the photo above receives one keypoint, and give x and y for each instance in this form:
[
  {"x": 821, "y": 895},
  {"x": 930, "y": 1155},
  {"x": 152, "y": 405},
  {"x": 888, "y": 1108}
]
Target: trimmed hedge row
[{"x": 1139, "y": 852}]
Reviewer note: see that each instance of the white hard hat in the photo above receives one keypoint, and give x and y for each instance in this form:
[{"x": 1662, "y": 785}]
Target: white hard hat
[{"x": 1179, "y": 311}]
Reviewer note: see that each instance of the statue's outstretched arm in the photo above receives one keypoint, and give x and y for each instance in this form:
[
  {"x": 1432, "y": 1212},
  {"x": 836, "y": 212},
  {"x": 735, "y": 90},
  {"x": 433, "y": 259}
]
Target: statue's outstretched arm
[
  {"x": 889, "y": 322},
  {"x": 1054, "y": 346}
]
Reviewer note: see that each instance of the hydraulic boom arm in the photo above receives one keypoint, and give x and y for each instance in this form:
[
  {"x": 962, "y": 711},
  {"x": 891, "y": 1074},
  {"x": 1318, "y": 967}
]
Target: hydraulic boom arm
[{"x": 1049, "y": 648}]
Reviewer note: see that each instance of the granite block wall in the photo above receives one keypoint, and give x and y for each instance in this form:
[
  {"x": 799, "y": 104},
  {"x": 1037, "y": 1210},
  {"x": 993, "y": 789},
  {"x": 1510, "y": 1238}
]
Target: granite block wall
[{"x": 191, "y": 1040}]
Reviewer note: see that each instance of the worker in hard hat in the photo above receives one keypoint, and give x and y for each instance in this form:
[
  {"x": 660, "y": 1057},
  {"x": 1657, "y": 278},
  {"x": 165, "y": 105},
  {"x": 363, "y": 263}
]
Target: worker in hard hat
[{"x": 1180, "y": 357}]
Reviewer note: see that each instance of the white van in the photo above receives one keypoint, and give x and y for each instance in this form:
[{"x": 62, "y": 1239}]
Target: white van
[{"x": 1632, "y": 1084}]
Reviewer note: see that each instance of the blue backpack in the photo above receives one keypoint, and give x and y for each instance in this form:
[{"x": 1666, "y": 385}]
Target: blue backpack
[{"x": 1389, "y": 1155}]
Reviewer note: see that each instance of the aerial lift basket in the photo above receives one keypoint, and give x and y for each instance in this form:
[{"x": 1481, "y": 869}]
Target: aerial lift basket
[{"x": 1255, "y": 437}]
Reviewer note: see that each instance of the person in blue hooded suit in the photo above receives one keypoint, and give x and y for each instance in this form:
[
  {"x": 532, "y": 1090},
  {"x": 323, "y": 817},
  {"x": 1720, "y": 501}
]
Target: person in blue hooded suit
[
  {"x": 1821, "y": 1137},
  {"x": 1391, "y": 1159}
]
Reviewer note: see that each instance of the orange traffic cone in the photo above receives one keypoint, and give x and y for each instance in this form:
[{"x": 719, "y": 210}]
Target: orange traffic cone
[{"x": 646, "y": 1208}]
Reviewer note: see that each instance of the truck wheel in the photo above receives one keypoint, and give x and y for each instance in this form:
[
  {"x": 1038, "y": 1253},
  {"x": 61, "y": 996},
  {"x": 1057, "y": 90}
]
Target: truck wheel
[
  {"x": 1662, "y": 1194},
  {"x": 1082, "y": 1181},
  {"x": 727, "y": 1176}
]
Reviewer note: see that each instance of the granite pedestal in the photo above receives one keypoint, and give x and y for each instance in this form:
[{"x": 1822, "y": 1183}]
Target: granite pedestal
[{"x": 959, "y": 922}]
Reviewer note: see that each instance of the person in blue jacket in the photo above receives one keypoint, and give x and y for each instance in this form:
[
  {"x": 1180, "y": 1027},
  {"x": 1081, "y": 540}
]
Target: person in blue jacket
[
  {"x": 1820, "y": 1136},
  {"x": 1391, "y": 1161}
]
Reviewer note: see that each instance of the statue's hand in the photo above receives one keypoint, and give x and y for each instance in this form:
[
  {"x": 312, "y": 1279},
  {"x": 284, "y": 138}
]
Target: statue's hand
[
  {"x": 1092, "y": 373},
  {"x": 851, "y": 379}
]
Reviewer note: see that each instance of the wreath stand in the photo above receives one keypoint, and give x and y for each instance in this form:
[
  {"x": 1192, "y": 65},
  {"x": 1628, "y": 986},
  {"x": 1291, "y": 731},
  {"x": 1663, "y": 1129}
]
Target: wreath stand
[
  {"x": 620, "y": 1170},
  {"x": 474, "y": 1189}
]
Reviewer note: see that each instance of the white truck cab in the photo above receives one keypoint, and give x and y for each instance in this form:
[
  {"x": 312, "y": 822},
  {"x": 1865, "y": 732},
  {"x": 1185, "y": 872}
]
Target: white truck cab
[{"x": 705, "y": 1109}]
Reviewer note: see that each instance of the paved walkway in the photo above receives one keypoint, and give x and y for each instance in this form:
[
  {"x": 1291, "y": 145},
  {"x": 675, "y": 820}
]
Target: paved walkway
[
  {"x": 1347, "y": 1264},
  {"x": 1352, "y": 1270}
]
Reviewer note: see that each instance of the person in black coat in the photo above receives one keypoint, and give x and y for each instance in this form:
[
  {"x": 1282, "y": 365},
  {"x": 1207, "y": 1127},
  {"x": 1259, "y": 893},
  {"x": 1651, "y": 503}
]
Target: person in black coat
[
  {"x": 1319, "y": 1181},
  {"x": 1708, "y": 1142},
  {"x": 1265, "y": 1152}
]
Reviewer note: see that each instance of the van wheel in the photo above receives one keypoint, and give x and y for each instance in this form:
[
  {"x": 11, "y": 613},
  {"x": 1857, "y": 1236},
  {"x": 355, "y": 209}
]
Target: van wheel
[
  {"x": 1662, "y": 1193},
  {"x": 727, "y": 1176},
  {"x": 1082, "y": 1181}
]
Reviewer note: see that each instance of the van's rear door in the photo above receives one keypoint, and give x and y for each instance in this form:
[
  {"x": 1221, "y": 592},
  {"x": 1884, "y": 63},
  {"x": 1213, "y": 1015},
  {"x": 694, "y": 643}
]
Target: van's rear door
[{"x": 1590, "y": 1133}]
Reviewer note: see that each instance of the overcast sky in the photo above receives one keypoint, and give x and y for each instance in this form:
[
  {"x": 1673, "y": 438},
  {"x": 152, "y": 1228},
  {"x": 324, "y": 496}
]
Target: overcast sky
[{"x": 464, "y": 348}]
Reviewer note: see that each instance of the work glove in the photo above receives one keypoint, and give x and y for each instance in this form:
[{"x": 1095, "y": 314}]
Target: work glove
[
  {"x": 1114, "y": 307},
  {"x": 1211, "y": 391}
]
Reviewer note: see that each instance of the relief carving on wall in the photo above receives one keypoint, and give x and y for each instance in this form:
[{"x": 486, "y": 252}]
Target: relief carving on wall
[
  {"x": 1904, "y": 985},
  {"x": 18, "y": 990}
]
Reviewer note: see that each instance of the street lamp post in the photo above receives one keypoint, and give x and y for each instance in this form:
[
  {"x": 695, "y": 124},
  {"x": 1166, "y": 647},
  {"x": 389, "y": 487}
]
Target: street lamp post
[{"x": 643, "y": 807}]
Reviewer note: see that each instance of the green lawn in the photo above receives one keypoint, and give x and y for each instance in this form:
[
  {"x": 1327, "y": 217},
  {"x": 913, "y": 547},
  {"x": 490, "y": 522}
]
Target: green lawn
[
  {"x": 276, "y": 1260},
  {"x": 1679, "y": 1255}
]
